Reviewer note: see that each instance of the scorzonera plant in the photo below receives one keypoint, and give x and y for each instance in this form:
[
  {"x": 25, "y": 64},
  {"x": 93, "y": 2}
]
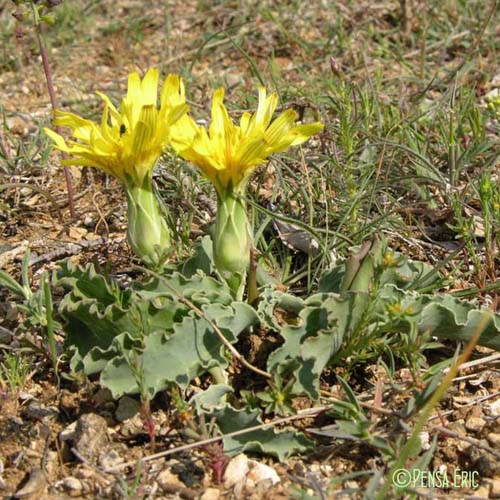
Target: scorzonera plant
[{"x": 228, "y": 154}]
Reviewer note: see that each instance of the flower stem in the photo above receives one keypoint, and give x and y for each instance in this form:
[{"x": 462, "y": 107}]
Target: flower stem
[{"x": 53, "y": 103}]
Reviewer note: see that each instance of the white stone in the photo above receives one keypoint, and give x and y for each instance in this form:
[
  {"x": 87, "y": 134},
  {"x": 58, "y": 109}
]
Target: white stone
[
  {"x": 72, "y": 483},
  {"x": 494, "y": 408},
  {"x": 424, "y": 440},
  {"x": 68, "y": 434},
  {"x": 236, "y": 470},
  {"x": 262, "y": 472}
]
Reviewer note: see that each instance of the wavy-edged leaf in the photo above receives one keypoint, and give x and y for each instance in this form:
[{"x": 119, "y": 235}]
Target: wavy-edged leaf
[{"x": 280, "y": 444}]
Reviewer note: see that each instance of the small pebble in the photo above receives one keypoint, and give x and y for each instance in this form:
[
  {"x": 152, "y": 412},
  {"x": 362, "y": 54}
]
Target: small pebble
[
  {"x": 88, "y": 221},
  {"x": 127, "y": 408},
  {"x": 110, "y": 459},
  {"x": 494, "y": 439},
  {"x": 475, "y": 424},
  {"x": 166, "y": 479},
  {"x": 37, "y": 411},
  {"x": 261, "y": 472},
  {"x": 210, "y": 494},
  {"x": 72, "y": 483},
  {"x": 68, "y": 433},
  {"x": 495, "y": 489},
  {"x": 91, "y": 436}
]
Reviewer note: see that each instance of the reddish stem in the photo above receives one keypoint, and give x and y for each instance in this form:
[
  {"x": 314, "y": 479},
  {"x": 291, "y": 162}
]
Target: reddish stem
[
  {"x": 218, "y": 460},
  {"x": 149, "y": 424},
  {"x": 53, "y": 103}
]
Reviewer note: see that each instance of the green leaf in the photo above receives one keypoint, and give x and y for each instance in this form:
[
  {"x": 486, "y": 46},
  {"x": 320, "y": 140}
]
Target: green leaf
[
  {"x": 349, "y": 393},
  {"x": 211, "y": 397},
  {"x": 232, "y": 319},
  {"x": 189, "y": 351},
  {"x": 87, "y": 283},
  {"x": 450, "y": 319},
  {"x": 12, "y": 285},
  {"x": 403, "y": 273},
  {"x": 199, "y": 289},
  {"x": 87, "y": 327},
  {"x": 280, "y": 444},
  {"x": 271, "y": 301},
  {"x": 202, "y": 260},
  {"x": 323, "y": 325}
]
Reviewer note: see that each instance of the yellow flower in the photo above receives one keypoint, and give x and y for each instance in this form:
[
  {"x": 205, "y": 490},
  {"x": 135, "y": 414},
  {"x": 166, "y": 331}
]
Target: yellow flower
[
  {"x": 227, "y": 154},
  {"x": 127, "y": 143}
]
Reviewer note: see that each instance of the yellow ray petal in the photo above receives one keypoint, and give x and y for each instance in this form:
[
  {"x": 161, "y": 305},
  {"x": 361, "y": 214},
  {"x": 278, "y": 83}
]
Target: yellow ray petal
[
  {"x": 302, "y": 133},
  {"x": 149, "y": 88},
  {"x": 59, "y": 140},
  {"x": 280, "y": 127}
]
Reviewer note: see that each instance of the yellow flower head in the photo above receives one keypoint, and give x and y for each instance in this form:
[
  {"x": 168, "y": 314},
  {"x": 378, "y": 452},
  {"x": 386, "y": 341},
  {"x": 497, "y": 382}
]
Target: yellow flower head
[
  {"x": 227, "y": 154},
  {"x": 127, "y": 143}
]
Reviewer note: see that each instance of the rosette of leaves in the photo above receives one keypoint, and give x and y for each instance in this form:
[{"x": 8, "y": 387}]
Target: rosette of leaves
[
  {"x": 374, "y": 303},
  {"x": 145, "y": 338}
]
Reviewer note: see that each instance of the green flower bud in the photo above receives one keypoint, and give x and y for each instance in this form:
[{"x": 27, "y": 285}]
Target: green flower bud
[
  {"x": 232, "y": 241},
  {"x": 147, "y": 233},
  {"x": 360, "y": 267}
]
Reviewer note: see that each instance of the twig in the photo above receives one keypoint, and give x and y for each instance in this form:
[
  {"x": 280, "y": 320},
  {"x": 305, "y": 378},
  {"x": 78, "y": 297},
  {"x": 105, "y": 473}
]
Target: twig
[
  {"x": 310, "y": 412},
  {"x": 476, "y": 362},
  {"x": 467, "y": 439},
  {"x": 69, "y": 249},
  {"x": 202, "y": 315},
  {"x": 377, "y": 409},
  {"x": 471, "y": 403}
]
